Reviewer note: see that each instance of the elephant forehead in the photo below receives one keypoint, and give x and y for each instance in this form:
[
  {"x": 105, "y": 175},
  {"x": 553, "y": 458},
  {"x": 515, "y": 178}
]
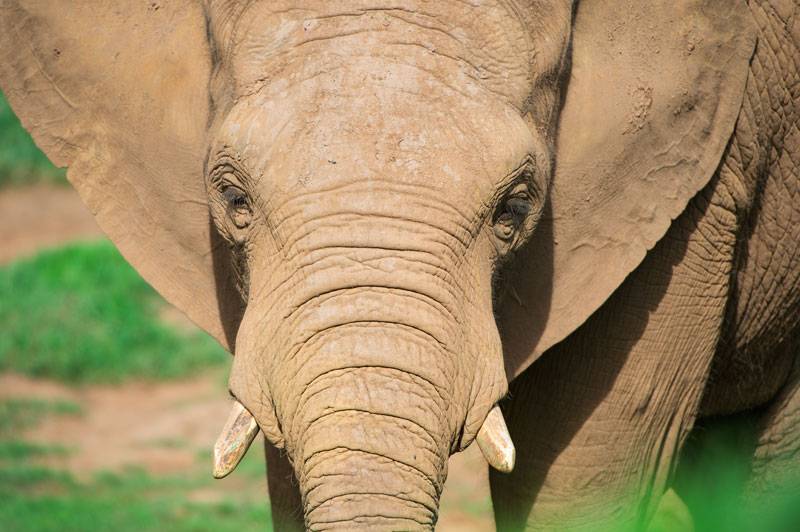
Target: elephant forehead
[
  {"x": 486, "y": 41},
  {"x": 313, "y": 140}
]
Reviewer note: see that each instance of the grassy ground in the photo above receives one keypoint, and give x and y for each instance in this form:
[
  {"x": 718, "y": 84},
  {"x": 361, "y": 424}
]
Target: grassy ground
[
  {"x": 81, "y": 314},
  {"x": 35, "y": 498},
  {"x": 20, "y": 161}
]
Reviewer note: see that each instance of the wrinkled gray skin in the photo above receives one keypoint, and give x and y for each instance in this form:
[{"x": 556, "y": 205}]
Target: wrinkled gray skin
[{"x": 370, "y": 354}]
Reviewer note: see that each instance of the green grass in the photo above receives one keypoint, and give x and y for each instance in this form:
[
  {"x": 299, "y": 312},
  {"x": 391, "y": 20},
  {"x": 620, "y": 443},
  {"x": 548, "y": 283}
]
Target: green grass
[
  {"x": 81, "y": 314},
  {"x": 22, "y": 450},
  {"x": 133, "y": 501},
  {"x": 21, "y": 162},
  {"x": 18, "y": 414},
  {"x": 34, "y": 498}
]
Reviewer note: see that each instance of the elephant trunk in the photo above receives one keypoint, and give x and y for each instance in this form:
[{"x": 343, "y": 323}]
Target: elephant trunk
[
  {"x": 350, "y": 483},
  {"x": 371, "y": 439}
]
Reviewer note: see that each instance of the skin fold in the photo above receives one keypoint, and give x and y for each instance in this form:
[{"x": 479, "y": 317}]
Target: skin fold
[{"x": 398, "y": 215}]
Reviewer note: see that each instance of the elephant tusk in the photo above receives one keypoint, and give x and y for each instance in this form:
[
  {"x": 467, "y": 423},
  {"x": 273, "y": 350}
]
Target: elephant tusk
[
  {"x": 235, "y": 439},
  {"x": 495, "y": 442}
]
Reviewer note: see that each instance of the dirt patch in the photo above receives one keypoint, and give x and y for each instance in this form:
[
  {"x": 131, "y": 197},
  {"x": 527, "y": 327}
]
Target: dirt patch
[
  {"x": 40, "y": 216},
  {"x": 161, "y": 427}
]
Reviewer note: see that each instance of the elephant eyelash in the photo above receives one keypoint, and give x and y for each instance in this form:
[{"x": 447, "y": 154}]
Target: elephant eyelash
[
  {"x": 229, "y": 181},
  {"x": 232, "y": 196},
  {"x": 237, "y": 205},
  {"x": 516, "y": 210},
  {"x": 235, "y": 198},
  {"x": 227, "y": 171},
  {"x": 522, "y": 174},
  {"x": 511, "y": 216}
]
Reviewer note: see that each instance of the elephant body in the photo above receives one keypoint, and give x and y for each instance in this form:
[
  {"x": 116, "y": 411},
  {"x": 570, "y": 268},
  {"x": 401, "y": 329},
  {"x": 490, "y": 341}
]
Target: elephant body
[
  {"x": 706, "y": 327},
  {"x": 395, "y": 214}
]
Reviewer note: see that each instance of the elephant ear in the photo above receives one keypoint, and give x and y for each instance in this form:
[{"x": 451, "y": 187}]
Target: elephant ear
[
  {"x": 653, "y": 96},
  {"x": 118, "y": 92}
]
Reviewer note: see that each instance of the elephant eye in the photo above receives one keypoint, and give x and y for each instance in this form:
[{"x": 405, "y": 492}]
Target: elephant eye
[
  {"x": 237, "y": 205},
  {"x": 511, "y": 216},
  {"x": 235, "y": 197},
  {"x": 518, "y": 207}
]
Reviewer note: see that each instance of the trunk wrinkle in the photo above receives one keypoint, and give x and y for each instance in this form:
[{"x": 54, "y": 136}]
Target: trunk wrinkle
[
  {"x": 292, "y": 250},
  {"x": 450, "y": 230},
  {"x": 343, "y": 449},
  {"x": 424, "y": 431},
  {"x": 381, "y": 323},
  {"x": 394, "y": 497},
  {"x": 351, "y": 369},
  {"x": 411, "y": 504},
  {"x": 303, "y": 400},
  {"x": 426, "y": 524},
  {"x": 392, "y": 291},
  {"x": 343, "y": 478},
  {"x": 431, "y": 487},
  {"x": 433, "y": 297}
]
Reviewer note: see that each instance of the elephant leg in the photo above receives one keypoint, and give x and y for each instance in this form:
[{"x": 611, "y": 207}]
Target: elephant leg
[
  {"x": 598, "y": 421},
  {"x": 773, "y": 488},
  {"x": 284, "y": 495}
]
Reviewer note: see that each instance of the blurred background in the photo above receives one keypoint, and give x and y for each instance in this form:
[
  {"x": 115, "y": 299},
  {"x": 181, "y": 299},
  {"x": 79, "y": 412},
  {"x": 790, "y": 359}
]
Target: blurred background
[{"x": 110, "y": 399}]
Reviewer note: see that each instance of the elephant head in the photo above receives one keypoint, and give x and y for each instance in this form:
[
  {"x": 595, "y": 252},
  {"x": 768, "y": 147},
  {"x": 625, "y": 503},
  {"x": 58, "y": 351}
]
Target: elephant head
[{"x": 359, "y": 199}]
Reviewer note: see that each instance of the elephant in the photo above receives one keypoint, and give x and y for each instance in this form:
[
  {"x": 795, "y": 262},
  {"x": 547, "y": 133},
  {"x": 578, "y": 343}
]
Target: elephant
[{"x": 565, "y": 229}]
